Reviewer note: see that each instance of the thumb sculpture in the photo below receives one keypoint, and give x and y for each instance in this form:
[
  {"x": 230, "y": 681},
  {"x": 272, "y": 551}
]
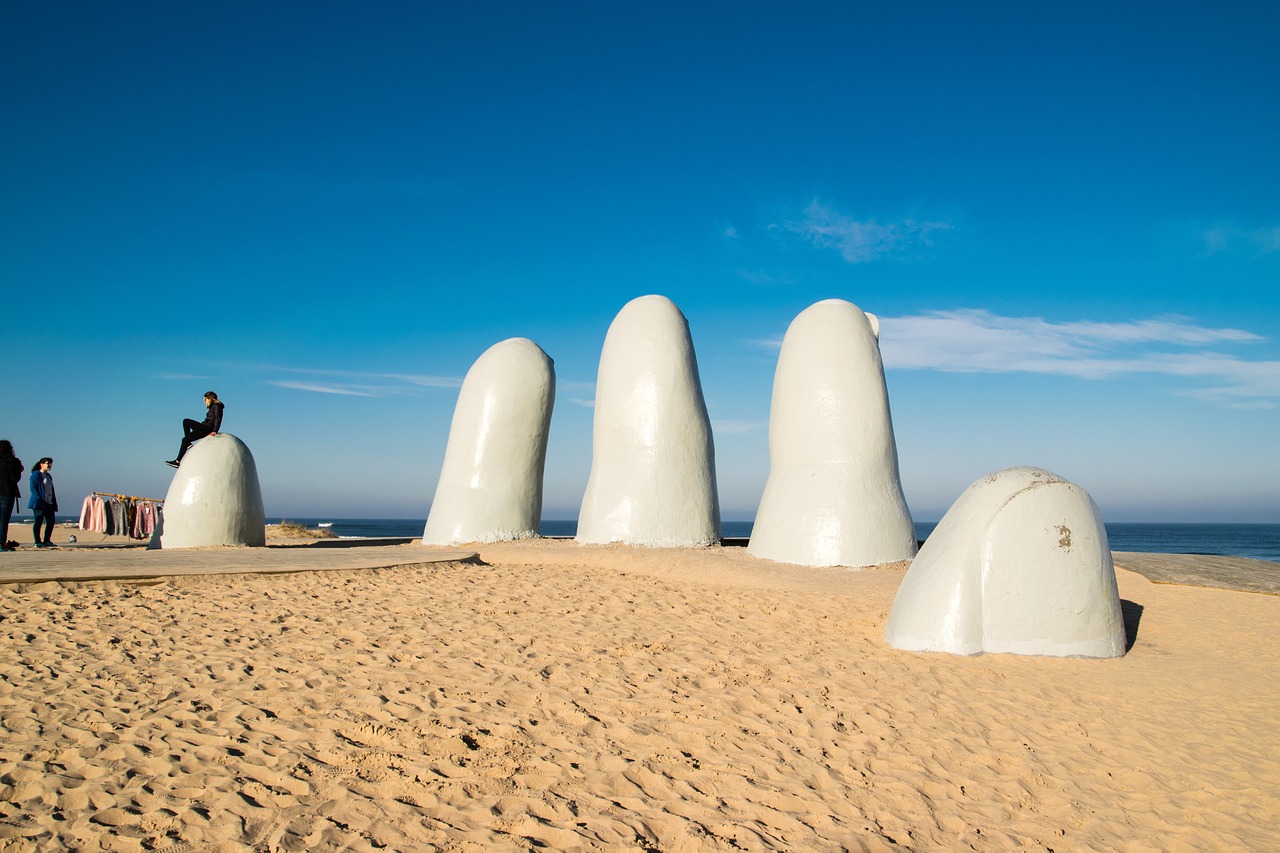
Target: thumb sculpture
[
  {"x": 1019, "y": 564},
  {"x": 490, "y": 487},
  {"x": 833, "y": 497},
  {"x": 214, "y": 499},
  {"x": 653, "y": 461}
]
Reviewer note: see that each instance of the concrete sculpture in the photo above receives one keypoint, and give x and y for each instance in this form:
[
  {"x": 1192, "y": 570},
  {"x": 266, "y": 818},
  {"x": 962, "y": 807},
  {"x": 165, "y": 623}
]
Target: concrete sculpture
[
  {"x": 1019, "y": 564},
  {"x": 653, "y": 461},
  {"x": 214, "y": 499},
  {"x": 490, "y": 487},
  {"x": 833, "y": 497}
]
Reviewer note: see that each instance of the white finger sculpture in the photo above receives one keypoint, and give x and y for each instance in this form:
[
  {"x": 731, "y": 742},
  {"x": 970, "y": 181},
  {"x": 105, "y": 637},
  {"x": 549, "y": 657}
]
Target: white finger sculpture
[
  {"x": 833, "y": 497},
  {"x": 490, "y": 486},
  {"x": 214, "y": 499},
  {"x": 1019, "y": 564},
  {"x": 653, "y": 461}
]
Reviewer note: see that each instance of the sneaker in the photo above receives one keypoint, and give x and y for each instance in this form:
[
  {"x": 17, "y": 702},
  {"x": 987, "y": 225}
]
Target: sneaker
[
  {"x": 39, "y": 544},
  {"x": 172, "y": 463}
]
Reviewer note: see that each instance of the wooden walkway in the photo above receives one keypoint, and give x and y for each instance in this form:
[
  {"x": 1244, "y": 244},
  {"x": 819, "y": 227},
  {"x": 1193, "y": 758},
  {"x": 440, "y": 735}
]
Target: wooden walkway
[
  {"x": 135, "y": 562},
  {"x": 82, "y": 562}
]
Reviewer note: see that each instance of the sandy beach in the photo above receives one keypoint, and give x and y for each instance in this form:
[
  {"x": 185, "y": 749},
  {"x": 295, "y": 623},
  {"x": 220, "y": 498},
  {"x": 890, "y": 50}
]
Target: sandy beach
[{"x": 606, "y": 698}]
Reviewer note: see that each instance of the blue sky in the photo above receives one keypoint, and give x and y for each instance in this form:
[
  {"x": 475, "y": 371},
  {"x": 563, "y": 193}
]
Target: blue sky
[{"x": 1067, "y": 217}]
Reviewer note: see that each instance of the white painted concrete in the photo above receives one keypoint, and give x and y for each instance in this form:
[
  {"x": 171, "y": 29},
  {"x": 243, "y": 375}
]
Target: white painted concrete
[
  {"x": 834, "y": 496},
  {"x": 1019, "y": 564},
  {"x": 214, "y": 499},
  {"x": 490, "y": 487},
  {"x": 653, "y": 461}
]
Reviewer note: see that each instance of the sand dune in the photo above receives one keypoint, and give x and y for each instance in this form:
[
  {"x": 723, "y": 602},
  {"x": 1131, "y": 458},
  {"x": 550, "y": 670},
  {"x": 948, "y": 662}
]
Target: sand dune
[{"x": 614, "y": 698}]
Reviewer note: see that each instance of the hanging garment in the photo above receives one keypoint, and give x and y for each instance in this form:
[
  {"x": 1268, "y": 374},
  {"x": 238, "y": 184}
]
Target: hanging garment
[
  {"x": 117, "y": 518},
  {"x": 144, "y": 523},
  {"x": 93, "y": 515}
]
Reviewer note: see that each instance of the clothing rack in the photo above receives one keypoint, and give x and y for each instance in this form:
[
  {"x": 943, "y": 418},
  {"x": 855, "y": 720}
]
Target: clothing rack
[
  {"x": 120, "y": 515},
  {"x": 128, "y": 497}
]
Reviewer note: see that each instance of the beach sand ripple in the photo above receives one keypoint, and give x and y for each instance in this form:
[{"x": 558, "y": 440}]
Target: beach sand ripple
[{"x": 587, "y": 698}]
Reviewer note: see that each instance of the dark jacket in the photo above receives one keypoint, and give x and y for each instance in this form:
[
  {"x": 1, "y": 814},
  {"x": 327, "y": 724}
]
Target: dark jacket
[
  {"x": 43, "y": 496},
  {"x": 10, "y": 476},
  {"x": 213, "y": 418}
]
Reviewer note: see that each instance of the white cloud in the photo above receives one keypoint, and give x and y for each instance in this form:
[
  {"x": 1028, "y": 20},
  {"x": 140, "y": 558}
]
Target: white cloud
[
  {"x": 737, "y": 427},
  {"x": 861, "y": 241},
  {"x": 977, "y": 341},
  {"x": 773, "y": 343},
  {"x": 421, "y": 381},
  {"x": 763, "y": 278},
  {"x": 573, "y": 392},
  {"x": 322, "y": 389},
  {"x": 1230, "y": 238},
  {"x": 363, "y": 384}
]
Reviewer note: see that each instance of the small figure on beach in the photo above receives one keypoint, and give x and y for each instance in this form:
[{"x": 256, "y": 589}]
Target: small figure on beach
[
  {"x": 43, "y": 502},
  {"x": 10, "y": 475},
  {"x": 196, "y": 430}
]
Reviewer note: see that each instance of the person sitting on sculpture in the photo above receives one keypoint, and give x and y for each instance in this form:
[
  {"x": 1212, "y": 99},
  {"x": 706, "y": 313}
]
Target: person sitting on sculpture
[{"x": 196, "y": 430}]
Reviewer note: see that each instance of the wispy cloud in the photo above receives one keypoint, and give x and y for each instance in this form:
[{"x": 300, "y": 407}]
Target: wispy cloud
[
  {"x": 577, "y": 393},
  {"x": 773, "y": 343},
  {"x": 862, "y": 241},
  {"x": 353, "y": 383},
  {"x": 1226, "y": 239},
  {"x": 763, "y": 278},
  {"x": 423, "y": 381},
  {"x": 729, "y": 426},
  {"x": 322, "y": 389},
  {"x": 978, "y": 341}
]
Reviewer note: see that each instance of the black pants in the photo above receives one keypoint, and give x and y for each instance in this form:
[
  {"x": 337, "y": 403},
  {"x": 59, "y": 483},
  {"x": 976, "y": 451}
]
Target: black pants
[
  {"x": 194, "y": 431},
  {"x": 6, "y": 512},
  {"x": 43, "y": 514}
]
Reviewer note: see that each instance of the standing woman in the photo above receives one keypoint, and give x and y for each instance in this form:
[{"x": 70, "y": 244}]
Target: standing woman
[
  {"x": 10, "y": 474},
  {"x": 43, "y": 501}
]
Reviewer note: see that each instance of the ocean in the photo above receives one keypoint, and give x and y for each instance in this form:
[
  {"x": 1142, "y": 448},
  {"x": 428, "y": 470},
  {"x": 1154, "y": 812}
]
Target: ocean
[{"x": 1257, "y": 541}]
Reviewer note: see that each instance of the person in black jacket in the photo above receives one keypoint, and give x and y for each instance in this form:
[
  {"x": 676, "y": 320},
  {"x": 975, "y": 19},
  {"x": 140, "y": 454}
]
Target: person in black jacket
[
  {"x": 195, "y": 430},
  {"x": 10, "y": 476}
]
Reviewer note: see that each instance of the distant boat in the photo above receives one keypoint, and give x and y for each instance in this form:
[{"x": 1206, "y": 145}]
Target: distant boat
[{"x": 325, "y": 524}]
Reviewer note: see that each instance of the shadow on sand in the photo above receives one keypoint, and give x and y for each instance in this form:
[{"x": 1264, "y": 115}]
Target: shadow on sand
[
  {"x": 344, "y": 543},
  {"x": 1132, "y": 614}
]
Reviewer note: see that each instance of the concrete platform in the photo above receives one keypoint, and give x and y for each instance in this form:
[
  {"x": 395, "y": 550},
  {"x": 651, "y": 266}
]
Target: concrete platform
[
  {"x": 1210, "y": 570},
  {"x": 95, "y": 561},
  {"x": 82, "y": 562}
]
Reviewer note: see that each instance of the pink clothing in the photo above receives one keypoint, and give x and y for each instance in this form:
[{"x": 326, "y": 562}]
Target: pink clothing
[
  {"x": 93, "y": 515},
  {"x": 142, "y": 516},
  {"x": 144, "y": 521}
]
